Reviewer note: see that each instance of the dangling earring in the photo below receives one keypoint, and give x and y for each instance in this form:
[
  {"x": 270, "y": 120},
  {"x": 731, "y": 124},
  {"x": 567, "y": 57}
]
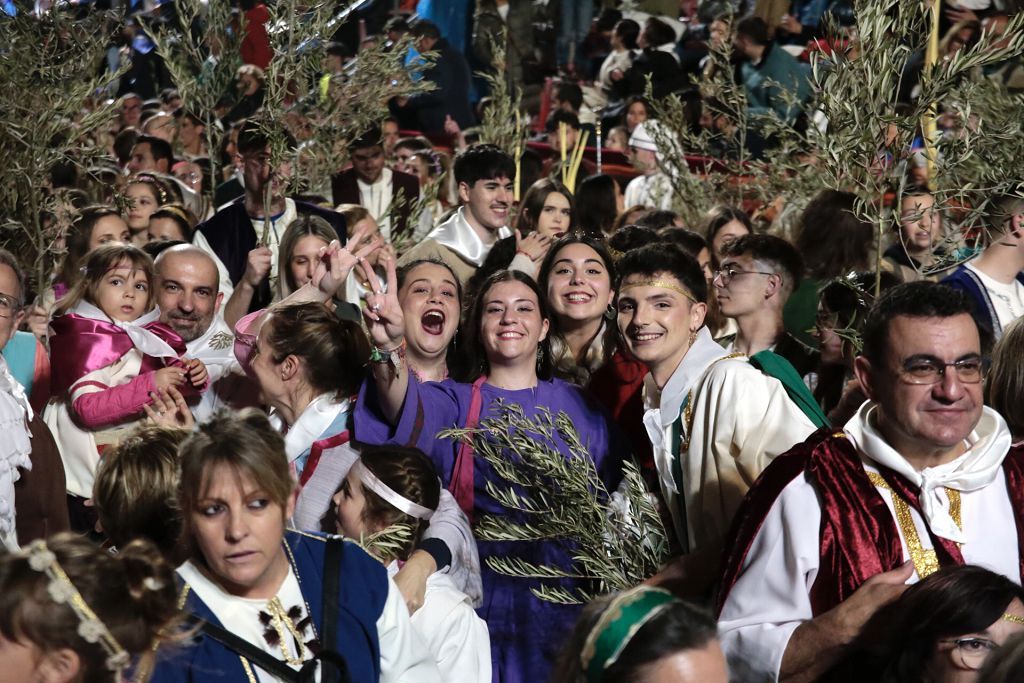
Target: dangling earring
[
  {"x": 609, "y": 313},
  {"x": 693, "y": 338},
  {"x": 540, "y": 356}
]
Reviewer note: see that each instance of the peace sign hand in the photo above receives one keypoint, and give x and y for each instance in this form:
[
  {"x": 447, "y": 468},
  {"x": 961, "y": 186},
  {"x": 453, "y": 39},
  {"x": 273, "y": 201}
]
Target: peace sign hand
[
  {"x": 336, "y": 262},
  {"x": 383, "y": 313}
]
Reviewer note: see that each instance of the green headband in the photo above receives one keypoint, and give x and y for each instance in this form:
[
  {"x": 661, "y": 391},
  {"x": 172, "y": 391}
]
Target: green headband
[{"x": 623, "y": 618}]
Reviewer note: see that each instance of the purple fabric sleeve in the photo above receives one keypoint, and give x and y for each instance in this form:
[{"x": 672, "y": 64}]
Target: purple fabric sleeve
[
  {"x": 114, "y": 404},
  {"x": 428, "y": 408}
]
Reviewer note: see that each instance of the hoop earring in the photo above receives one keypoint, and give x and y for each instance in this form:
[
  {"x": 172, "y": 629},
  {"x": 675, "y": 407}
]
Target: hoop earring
[{"x": 609, "y": 313}]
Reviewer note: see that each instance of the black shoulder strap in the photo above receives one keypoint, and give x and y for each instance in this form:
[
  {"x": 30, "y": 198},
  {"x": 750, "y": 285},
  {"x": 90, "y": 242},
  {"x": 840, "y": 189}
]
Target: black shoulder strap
[
  {"x": 240, "y": 646},
  {"x": 329, "y": 631}
]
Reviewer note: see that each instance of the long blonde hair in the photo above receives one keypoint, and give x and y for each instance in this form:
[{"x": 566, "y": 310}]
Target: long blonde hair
[{"x": 303, "y": 226}]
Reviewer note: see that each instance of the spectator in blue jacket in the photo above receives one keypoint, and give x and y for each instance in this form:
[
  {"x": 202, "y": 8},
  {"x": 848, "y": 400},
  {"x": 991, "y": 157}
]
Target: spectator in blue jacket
[{"x": 450, "y": 75}]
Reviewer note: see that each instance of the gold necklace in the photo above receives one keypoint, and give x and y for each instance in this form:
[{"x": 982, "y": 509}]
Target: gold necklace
[{"x": 925, "y": 560}]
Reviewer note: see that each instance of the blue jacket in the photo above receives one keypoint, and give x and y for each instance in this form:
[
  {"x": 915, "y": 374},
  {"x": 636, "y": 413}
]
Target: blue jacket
[
  {"x": 965, "y": 279},
  {"x": 765, "y": 83},
  {"x": 363, "y": 590}
]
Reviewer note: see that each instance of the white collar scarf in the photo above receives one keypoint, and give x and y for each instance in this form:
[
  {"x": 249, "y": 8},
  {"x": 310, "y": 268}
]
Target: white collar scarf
[
  {"x": 310, "y": 425},
  {"x": 458, "y": 235},
  {"x": 15, "y": 446},
  {"x": 144, "y": 340},
  {"x": 669, "y": 400},
  {"x": 987, "y": 446}
]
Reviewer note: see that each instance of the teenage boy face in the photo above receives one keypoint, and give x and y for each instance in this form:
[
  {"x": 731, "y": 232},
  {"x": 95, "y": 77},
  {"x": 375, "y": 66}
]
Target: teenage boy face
[{"x": 488, "y": 202}]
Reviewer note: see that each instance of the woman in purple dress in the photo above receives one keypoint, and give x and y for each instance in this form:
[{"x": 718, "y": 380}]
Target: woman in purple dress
[{"x": 508, "y": 328}]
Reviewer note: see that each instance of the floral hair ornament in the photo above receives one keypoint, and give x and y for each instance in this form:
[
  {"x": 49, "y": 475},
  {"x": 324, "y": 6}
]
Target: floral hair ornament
[
  {"x": 370, "y": 481},
  {"x": 624, "y": 617},
  {"x": 62, "y": 591}
]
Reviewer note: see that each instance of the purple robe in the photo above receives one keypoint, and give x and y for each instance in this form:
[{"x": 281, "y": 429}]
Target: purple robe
[{"x": 526, "y": 632}]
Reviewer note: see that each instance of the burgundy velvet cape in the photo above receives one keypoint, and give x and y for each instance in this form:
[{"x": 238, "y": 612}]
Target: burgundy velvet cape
[{"x": 858, "y": 534}]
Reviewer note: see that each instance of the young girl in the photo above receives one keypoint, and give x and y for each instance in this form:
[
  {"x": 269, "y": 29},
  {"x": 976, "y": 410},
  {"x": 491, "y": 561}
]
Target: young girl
[
  {"x": 397, "y": 485},
  {"x": 109, "y": 357},
  {"x": 71, "y": 612}
]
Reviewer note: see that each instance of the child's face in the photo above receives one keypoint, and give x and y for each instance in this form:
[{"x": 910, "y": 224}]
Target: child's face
[
  {"x": 123, "y": 293},
  {"x": 349, "y": 502}
]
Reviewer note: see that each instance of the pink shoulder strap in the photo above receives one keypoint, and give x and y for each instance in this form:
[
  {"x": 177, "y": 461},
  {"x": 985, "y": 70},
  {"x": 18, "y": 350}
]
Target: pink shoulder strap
[{"x": 462, "y": 476}]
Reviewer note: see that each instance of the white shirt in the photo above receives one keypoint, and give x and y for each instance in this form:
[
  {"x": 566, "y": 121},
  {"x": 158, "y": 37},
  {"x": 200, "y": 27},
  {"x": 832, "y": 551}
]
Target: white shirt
[
  {"x": 649, "y": 190},
  {"x": 771, "y": 598},
  {"x": 1007, "y": 299},
  {"x": 454, "y": 634},
  {"x": 277, "y": 227},
  {"x": 15, "y": 447},
  {"x": 216, "y": 349},
  {"x": 376, "y": 198},
  {"x": 403, "y": 656}
]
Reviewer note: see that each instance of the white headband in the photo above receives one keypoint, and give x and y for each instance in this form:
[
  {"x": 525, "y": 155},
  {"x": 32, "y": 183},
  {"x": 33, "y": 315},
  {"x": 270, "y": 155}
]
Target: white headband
[{"x": 399, "y": 501}]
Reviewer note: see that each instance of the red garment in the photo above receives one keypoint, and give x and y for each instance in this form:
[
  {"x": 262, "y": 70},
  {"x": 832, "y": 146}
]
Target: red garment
[
  {"x": 619, "y": 386},
  {"x": 859, "y": 538},
  {"x": 255, "y": 47}
]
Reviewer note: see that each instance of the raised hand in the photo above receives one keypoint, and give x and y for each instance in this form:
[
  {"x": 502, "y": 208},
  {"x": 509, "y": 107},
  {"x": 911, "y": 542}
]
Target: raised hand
[
  {"x": 383, "y": 313},
  {"x": 336, "y": 262},
  {"x": 168, "y": 409},
  {"x": 534, "y": 245},
  {"x": 257, "y": 266}
]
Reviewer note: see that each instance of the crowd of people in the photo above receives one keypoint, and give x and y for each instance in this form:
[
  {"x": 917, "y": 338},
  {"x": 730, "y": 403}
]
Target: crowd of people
[{"x": 222, "y": 413}]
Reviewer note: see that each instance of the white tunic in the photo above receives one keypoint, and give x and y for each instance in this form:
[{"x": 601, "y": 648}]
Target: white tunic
[
  {"x": 456, "y": 637},
  {"x": 771, "y": 598},
  {"x": 741, "y": 419},
  {"x": 216, "y": 349}
]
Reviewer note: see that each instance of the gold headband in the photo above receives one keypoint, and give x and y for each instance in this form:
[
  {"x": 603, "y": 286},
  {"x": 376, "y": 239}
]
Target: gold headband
[
  {"x": 1013, "y": 618},
  {"x": 663, "y": 284}
]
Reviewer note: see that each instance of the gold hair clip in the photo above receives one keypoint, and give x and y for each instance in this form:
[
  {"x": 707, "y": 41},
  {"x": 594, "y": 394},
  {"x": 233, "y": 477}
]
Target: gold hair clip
[
  {"x": 663, "y": 284},
  {"x": 62, "y": 591},
  {"x": 1013, "y": 618}
]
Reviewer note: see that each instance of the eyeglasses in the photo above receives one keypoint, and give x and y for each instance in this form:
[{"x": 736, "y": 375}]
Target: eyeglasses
[
  {"x": 932, "y": 371},
  {"x": 725, "y": 275},
  {"x": 8, "y": 305},
  {"x": 972, "y": 652}
]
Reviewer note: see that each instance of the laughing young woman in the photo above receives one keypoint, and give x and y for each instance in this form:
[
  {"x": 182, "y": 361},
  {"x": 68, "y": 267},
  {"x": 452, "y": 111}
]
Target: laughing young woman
[
  {"x": 508, "y": 328},
  {"x": 431, "y": 298}
]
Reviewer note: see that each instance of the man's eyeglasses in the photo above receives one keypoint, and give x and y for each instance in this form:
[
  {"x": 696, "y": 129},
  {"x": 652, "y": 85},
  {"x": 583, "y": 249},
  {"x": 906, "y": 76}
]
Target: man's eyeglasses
[
  {"x": 9, "y": 306},
  {"x": 727, "y": 273},
  {"x": 971, "y": 651},
  {"x": 932, "y": 370}
]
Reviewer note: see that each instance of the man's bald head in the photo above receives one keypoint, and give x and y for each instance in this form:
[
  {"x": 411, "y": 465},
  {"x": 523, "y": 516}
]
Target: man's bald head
[{"x": 187, "y": 290}]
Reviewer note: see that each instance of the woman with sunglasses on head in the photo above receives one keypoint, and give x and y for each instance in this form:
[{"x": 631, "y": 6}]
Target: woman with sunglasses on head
[{"x": 507, "y": 334}]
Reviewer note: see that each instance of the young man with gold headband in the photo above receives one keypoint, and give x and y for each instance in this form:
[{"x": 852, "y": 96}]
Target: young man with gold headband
[
  {"x": 922, "y": 477},
  {"x": 714, "y": 420}
]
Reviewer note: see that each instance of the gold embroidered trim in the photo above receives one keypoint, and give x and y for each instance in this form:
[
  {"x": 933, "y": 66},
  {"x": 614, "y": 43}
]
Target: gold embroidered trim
[
  {"x": 926, "y": 562},
  {"x": 688, "y": 410}
]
